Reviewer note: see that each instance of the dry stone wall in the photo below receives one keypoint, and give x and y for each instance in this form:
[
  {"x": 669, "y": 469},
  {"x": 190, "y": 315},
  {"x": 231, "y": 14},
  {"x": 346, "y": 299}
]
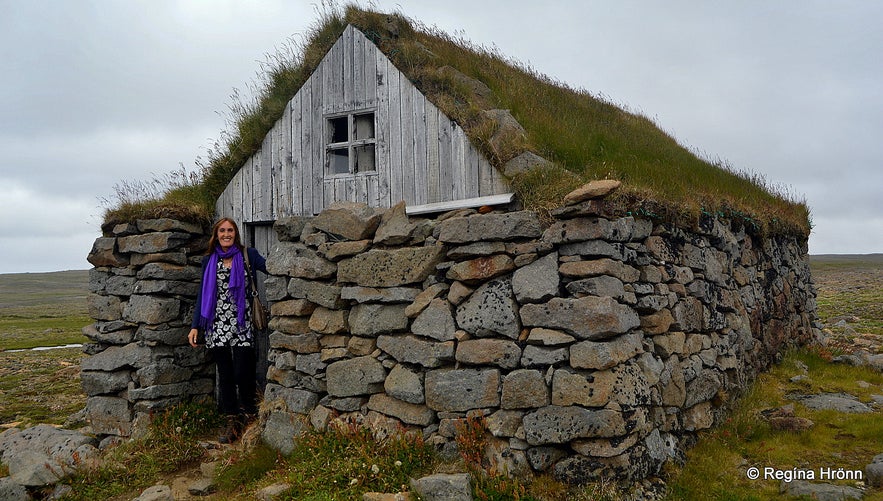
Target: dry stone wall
[
  {"x": 590, "y": 346},
  {"x": 142, "y": 289}
]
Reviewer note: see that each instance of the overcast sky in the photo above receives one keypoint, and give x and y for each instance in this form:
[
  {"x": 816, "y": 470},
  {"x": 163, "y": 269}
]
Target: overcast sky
[{"x": 93, "y": 93}]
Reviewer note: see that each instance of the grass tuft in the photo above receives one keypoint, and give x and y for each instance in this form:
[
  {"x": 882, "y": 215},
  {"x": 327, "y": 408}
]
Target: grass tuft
[
  {"x": 172, "y": 443},
  {"x": 344, "y": 462}
]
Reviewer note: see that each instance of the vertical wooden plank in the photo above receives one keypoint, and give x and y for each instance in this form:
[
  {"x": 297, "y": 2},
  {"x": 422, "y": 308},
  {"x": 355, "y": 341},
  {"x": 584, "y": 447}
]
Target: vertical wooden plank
[
  {"x": 295, "y": 165},
  {"x": 244, "y": 193},
  {"x": 485, "y": 178},
  {"x": 326, "y": 88},
  {"x": 473, "y": 179},
  {"x": 458, "y": 165},
  {"x": 379, "y": 94},
  {"x": 358, "y": 63},
  {"x": 500, "y": 185},
  {"x": 230, "y": 198},
  {"x": 328, "y": 191},
  {"x": 409, "y": 136},
  {"x": 248, "y": 188},
  {"x": 317, "y": 145},
  {"x": 397, "y": 134},
  {"x": 347, "y": 97},
  {"x": 374, "y": 72},
  {"x": 420, "y": 153},
  {"x": 235, "y": 197},
  {"x": 373, "y": 192},
  {"x": 433, "y": 143},
  {"x": 222, "y": 208},
  {"x": 445, "y": 154},
  {"x": 261, "y": 179},
  {"x": 306, "y": 149},
  {"x": 350, "y": 188},
  {"x": 280, "y": 176},
  {"x": 338, "y": 191},
  {"x": 359, "y": 189}
]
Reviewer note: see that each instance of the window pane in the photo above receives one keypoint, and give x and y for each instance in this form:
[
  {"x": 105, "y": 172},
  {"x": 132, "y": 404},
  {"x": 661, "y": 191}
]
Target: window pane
[
  {"x": 337, "y": 130},
  {"x": 338, "y": 161},
  {"x": 364, "y": 158},
  {"x": 364, "y": 126}
]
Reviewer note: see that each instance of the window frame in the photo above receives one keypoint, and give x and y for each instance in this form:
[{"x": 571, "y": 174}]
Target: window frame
[{"x": 351, "y": 144}]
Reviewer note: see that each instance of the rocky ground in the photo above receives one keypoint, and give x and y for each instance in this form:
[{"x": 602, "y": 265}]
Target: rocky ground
[{"x": 850, "y": 302}]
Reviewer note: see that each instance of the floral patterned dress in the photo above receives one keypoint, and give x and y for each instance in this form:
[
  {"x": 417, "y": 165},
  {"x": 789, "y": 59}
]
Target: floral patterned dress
[{"x": 224, "y": 331}]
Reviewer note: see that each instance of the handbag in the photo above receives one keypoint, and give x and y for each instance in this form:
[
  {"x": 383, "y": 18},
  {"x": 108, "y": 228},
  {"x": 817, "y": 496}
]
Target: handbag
[{"x": 258, "y": 310}]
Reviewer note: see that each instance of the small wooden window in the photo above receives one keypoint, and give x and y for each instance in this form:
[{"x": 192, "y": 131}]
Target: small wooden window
[{"x": 350, "y": 142}]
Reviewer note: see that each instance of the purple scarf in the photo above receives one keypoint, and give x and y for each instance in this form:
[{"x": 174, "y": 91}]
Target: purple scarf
[{"x": 209, "y": 286}]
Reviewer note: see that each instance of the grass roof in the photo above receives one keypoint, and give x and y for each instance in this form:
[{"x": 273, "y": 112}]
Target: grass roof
[{"x": 586, "y": 137}]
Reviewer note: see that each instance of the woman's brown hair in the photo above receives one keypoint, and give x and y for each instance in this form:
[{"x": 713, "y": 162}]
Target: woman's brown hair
[{"x": 213, "y": 241}]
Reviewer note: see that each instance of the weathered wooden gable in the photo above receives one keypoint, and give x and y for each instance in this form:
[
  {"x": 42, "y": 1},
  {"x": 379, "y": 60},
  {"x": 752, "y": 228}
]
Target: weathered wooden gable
[{"x": 419, "y": 154}]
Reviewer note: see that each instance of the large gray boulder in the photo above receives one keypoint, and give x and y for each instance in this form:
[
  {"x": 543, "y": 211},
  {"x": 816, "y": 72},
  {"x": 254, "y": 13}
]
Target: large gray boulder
[
  {"x": 478, "y": 227},
  {"x": 537, "y": 281},
  {"x": 390, "y": 268},
  {"x": 588, "y": 317},
  {"x": 282, "y": 429},
  {"x": 348, "y": 220},
  {"x": 443, "y": 487},
  {"x": 459, "y": 390},
  {"x": 297, "y": 260}
]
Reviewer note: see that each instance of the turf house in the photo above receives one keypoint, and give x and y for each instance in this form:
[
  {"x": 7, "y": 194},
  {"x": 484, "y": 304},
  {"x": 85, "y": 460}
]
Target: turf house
[{"x": 451, "y": 236}]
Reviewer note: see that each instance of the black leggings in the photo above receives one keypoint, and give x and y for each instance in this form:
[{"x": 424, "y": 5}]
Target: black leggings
[{"x": 236, "y": 379}]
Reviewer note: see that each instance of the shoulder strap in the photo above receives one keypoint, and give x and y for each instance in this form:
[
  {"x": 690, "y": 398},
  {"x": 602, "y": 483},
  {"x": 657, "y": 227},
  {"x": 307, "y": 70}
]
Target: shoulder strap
[{"x": 251, "y": 277}]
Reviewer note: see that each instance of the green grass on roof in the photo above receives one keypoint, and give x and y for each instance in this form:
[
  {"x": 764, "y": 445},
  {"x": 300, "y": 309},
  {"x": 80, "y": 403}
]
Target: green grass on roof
[{"x": 585, "y": 136}]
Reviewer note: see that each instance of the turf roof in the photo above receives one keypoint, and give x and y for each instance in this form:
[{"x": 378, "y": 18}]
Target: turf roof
[{"x": 586, "y": 137}]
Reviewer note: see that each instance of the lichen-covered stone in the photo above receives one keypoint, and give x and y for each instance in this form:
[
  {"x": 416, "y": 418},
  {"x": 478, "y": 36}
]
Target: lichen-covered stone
[
  {"x": 481, "y": 268},
  {"x": 418, "y": 351},
  {"x": 490, "y": 310},
  {"x": 458, "y": 390},
  {"x": 524, "y": 389},
  {"x": 316, "y": 292},
  {"x": 348, "y": 220},
  {"x": 435, "y": 321},
  {"x": 498, "y": 352},
  {"x": 508, "y": 226},
  {"x": 152, "y": 242},
  {"x": 538, "y": 281},
  {"x": 371, "y": 319},
  {"x": 390, "y": 268},
  {"x": 408, "y": 413},
  {"x": 405, "y": 384},
  {"x": 605, "y": 354},
  {"x": 586, "y": 318},
  {"x": 297, "y": 260},
  {"x": 558, "y": 425}
]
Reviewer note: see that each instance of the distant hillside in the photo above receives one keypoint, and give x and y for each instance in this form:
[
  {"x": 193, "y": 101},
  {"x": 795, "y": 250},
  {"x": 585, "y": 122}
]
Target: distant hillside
[
  {"x": 30, "y": 289},
  {"x": 874, "y": 260},
  {"x": 43, "y": 309}
]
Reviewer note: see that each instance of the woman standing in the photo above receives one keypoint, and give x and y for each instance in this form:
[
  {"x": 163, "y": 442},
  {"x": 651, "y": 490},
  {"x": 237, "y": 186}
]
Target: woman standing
[{"x": 223, "y": 314}]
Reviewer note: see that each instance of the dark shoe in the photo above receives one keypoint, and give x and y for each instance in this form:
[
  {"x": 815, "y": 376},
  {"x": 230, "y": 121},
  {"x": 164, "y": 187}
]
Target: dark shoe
[{"x": 231, "y": 431}]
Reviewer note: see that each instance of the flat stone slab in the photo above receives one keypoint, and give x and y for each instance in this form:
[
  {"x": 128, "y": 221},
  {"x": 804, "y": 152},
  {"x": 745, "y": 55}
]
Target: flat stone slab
[
  {"x": 820, "y": 491},
  {"x": 841, "y": 402}
]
